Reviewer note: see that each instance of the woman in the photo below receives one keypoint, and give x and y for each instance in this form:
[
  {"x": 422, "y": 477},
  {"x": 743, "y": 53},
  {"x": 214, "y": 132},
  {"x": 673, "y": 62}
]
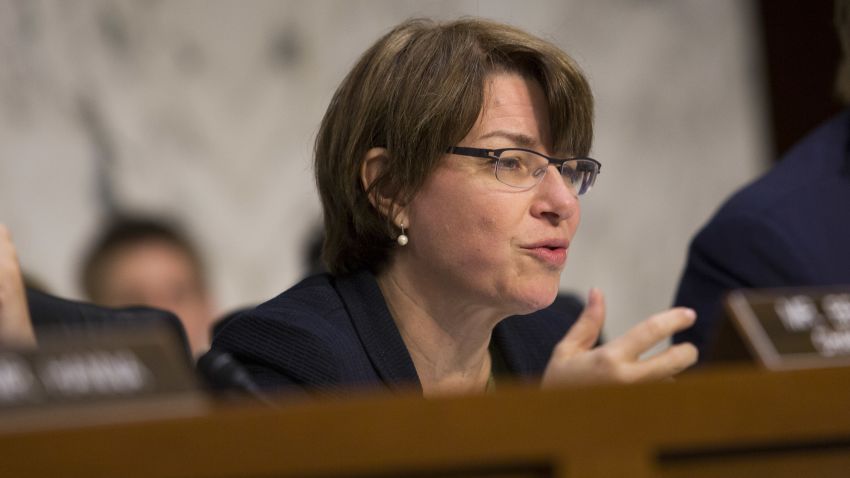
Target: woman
[{"x": 448, "y": 218}]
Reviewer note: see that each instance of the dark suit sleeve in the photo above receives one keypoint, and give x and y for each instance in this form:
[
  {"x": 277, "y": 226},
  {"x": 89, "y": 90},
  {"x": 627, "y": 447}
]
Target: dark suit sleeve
[{"x": 731, "y": 252}]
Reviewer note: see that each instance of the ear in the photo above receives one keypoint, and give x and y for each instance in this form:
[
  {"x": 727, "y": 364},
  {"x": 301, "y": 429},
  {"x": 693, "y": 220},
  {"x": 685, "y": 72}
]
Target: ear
[{"x": 374, "y": 162}]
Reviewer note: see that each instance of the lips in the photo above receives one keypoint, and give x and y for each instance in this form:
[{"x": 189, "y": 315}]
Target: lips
[{"x": 552, "y": 252}]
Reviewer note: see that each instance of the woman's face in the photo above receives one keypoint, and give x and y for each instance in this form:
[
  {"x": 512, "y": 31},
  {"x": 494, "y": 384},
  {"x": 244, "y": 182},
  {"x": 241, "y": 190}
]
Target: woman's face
[{"x": 474, "y": 238}]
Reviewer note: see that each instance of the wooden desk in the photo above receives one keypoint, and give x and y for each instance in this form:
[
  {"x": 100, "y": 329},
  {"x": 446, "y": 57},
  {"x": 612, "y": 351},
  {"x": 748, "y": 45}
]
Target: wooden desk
[{"x": 736, "y": 422}]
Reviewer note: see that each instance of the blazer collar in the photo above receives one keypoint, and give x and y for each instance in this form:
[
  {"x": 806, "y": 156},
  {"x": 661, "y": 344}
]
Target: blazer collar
[
  {"x": 524, "y": 344},
  {"x": 386, "y": 349},
  {"x": 377, "y": 330}
]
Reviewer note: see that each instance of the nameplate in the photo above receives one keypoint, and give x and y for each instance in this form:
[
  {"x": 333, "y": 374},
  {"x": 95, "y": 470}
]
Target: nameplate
[
  {"x": 794, "y": 327},
  {"x": 96, "y": 370}
]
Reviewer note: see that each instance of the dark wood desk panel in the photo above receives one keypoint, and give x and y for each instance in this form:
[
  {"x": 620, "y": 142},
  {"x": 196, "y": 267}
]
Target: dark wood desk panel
[{"x": 736, "y": 422}]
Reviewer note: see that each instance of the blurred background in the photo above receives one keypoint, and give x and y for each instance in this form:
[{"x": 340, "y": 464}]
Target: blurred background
[{"x": 205, "y": 112}]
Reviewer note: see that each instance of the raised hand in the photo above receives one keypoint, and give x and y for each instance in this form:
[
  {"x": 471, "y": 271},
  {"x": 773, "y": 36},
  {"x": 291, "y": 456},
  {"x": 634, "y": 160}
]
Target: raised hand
[{"x": 575, "y": 361}]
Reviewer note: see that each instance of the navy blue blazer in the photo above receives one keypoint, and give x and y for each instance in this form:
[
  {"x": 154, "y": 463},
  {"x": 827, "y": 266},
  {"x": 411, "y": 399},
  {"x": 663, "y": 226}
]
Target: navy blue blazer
[
  {"x": 791, "y": 227},
  {"x": 330, "y": 334}
]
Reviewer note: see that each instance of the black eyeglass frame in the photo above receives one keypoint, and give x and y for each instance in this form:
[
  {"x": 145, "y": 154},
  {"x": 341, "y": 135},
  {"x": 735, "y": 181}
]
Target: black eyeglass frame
[{"x": 496, "y": 154}]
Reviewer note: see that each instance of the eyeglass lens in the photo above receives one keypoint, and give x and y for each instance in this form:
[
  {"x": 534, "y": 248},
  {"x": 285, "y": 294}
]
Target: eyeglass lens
[{"x": 525, "y": 169}]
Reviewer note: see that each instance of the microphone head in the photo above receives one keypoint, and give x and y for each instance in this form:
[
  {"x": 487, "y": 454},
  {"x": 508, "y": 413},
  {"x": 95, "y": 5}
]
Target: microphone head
[{"x": 222, "y": 372}]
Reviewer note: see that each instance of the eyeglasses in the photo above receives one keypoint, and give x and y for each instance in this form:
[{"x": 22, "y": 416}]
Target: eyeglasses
[{"x": 524, "y": 168}]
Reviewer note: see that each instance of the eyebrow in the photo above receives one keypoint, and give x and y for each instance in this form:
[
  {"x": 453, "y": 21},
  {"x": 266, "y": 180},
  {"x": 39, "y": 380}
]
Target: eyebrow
[{"x": 519, "y": 139}]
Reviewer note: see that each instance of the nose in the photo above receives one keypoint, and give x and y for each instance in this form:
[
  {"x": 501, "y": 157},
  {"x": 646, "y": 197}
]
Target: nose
[{"x": 554, "y": 200}]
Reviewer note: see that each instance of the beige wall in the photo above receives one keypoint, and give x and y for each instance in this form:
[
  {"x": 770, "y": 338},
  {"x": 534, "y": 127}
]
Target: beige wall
[{"x": 207, "y": 112}]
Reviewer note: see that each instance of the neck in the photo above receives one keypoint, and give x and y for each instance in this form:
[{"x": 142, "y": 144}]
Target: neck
[{"x": 447, "y": 340}]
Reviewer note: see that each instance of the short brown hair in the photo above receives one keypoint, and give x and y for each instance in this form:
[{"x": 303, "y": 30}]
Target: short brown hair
[{"x": 417, "y": 92}]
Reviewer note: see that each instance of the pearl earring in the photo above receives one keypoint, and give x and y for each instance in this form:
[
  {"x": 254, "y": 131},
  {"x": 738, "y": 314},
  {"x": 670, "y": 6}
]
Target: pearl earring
[{"x": 402, "y": 238}]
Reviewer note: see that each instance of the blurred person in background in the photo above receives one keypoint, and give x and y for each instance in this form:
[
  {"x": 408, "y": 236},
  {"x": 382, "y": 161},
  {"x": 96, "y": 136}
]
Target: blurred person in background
[
  {"x": 141, "y": 261},
  {"x": 788, "y": 228}
]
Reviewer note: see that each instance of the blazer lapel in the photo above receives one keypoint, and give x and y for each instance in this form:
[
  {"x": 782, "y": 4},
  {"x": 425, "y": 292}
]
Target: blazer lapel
[
  {"x": 377, "y": 330},
  {"x": 526, "y": 341},
  {"x": 515, "y": 351}
]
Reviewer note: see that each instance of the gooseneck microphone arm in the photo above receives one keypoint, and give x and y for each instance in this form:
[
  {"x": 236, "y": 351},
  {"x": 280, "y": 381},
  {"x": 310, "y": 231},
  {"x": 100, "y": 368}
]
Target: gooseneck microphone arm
[{"x": 222, "y": 372}]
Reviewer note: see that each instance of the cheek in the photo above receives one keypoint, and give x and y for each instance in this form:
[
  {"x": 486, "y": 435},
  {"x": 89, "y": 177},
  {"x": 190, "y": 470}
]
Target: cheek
[
  {"x": 464, "y": 220},
  {"x": 492, "y": 225},
  {"x": 480, "y": 239},
  {"x": 475, "y": 235}
]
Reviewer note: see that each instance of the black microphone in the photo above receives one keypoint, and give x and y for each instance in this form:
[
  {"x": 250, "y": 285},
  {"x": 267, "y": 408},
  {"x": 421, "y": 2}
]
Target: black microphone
[{"x": 222, "y": 372}]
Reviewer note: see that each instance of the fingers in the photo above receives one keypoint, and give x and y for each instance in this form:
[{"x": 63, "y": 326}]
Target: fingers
[
  {"x": 667, "y": 363},
  {"x": 8, "y": 255},
  {"x": 575, "y": 362},
  {"x": 15, "y": 325},
  {"x": 646, "y": 334},
  {"x": 585, "y": 332},
  {"x": 5, "y": 239}
]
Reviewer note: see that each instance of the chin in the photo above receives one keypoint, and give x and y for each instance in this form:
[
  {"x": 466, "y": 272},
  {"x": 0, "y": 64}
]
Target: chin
[{"x": 536, "y": 298}]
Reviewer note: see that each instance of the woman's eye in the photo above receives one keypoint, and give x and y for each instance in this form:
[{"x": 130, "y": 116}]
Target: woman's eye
[
  {"x": 510, "y": 163},
  {"x": 569, "y": 172}
]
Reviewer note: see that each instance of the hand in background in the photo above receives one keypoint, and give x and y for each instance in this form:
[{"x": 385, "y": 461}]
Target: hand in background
[
  {"x": 15, "y": 325},
  {"x": 575, "y": 361}
]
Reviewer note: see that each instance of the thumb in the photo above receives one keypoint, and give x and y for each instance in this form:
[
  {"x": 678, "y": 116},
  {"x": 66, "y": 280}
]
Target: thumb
[{"x": 585, "y": 332}]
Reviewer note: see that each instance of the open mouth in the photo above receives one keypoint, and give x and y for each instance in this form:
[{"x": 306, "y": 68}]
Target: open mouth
[{"x": 551, "y": 255}]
